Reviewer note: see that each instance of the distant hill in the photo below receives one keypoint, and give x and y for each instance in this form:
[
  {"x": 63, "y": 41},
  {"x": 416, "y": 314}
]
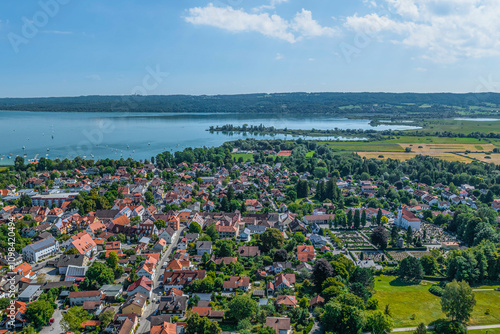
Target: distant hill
[{"x": 313, "y": 103}]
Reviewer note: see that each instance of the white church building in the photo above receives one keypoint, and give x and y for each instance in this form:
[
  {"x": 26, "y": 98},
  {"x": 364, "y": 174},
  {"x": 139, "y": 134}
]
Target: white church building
[{"x": 407, "y": 218}]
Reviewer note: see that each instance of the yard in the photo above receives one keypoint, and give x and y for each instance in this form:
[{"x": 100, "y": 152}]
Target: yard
[{"x": 413, "y": 304}]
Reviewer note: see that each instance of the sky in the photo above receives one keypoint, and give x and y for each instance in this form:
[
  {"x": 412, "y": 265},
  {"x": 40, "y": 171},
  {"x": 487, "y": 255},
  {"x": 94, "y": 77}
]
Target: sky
[{"x": 122, "y": 47}]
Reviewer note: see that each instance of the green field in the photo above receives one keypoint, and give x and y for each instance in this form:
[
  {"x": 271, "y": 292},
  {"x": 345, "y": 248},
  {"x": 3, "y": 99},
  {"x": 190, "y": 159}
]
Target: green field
[
  {"x": 3, "y": 169},
  {"x": 474, "y": 331},
  {"x": 365, "y": 146},
  {"x": 246, "y": 156},
  {"x": 458, "y": 126},
  {"x": 434, "y": 140},
  {"x": 413, "y": 304}
]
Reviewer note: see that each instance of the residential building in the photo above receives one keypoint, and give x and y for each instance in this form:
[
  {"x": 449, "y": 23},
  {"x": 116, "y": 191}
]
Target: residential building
[{"x": 40, "y": 250}]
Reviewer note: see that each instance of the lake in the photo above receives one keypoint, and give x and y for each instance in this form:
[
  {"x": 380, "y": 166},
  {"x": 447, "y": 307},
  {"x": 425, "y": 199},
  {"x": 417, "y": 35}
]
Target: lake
[{"x": 140, "y": 135}]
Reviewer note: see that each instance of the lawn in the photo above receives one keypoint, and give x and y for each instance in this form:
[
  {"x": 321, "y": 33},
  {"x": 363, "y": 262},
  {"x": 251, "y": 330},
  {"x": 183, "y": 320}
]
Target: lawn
[
  {"x": 407, "y": 300},
  {"x": 415, "y": 301},
  {"x": 465, "y": 127},
  {"x": 433, "y": 140},
  {"x": 475, "y": 331},
  {"x": 245, "y": 156},
  {"x": 3, "y": 169},
  {"x": 364, "y": 146}
]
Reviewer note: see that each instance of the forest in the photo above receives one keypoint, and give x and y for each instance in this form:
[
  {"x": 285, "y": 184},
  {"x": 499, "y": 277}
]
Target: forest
[{"x": 391, "y": 104}]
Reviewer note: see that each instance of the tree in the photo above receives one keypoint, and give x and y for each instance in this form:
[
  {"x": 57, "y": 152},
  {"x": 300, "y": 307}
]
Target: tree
[
  {"x": 321, "y": 271},
  {"x": 271, "y": 238},
  {"x": 299, "y": 237},
  {"x": 281, "y": 255},
  {"x": 73, "y": 318},
  {"x": 409, "y": 235},
  {"x": 267, "y": 330},
  {"x": 112, "y": 260},
  {"x": 379, "y": 216},
  {"x": 458, "y": 301},
  {"x": 394, "y": 236},
  {"x": 198, "y": 325},
  {"x": 242, "y": 307},
  {"x": 212, "y": 232},
  {"x": 379, "y": 323},
  {"x": 148, "y": 195},
  {"x": 205, "y": 257},
  {"x": 106, "y": 317},
  {"x": 357, "y": 219},
  {"x": 194, "y": 227},
  {"x": 380, "y": 237},
  {"x": 421, "y": 329},
  {"x": 429, "y": 264},
  {"x": 24, "y": 200},
  {"x": 410, "y": 269},
  {"x": 341, "y": 318},
  {"x": 39, "y": 313},
  {"x": 160, "y": 223},
  {"x": 363, "y": 218},
  {"x": 119, "y": 272},
  {"x": 349, "y": 218},
  {"x": 100, "y": 273},
  {"x": 225, "y": 248},
  {"x": 4, "y": 302},
  {"x": 19, "y": 163},
  {"x": 302, "y": 189}
]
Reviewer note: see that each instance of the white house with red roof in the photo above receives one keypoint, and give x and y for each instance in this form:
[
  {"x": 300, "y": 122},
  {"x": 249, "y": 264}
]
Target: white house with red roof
[{"x": 407, "y": 218}]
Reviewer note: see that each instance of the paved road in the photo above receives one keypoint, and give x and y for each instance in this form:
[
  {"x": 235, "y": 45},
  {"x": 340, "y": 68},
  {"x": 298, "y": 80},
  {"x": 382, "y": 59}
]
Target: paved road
[
  {"x": 54, "y": 328},
  {"x": 144, "y": 325},
  {"x": 409, "y": 329},
  {"x": 316, "y": 329}
]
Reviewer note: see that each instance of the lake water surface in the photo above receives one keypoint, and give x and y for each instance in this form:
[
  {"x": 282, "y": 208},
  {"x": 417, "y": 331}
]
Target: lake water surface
[{"x": 139, "y": 135}]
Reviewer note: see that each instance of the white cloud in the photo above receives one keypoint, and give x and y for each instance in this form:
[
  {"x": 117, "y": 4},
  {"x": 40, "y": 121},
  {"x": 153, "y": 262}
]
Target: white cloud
[
  {"x": 279, "y": 56},
  {"x": 304, "y": 24},
  {"x": 446, "y": 30},
  {"x": 272, "y": 5},
  {"x": 237, "y": 20}
]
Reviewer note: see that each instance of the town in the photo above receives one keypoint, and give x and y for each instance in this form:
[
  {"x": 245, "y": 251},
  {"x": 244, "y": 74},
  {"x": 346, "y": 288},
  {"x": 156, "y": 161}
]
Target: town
[{"x": 251, "y": 237}]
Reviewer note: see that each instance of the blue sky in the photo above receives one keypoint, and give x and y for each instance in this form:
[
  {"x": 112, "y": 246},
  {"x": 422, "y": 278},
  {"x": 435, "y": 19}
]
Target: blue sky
[{"x": 71, "y": 48}]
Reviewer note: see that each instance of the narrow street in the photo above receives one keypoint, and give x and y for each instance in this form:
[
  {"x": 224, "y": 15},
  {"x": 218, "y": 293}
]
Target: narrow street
[{"x": 144, "y": 323}]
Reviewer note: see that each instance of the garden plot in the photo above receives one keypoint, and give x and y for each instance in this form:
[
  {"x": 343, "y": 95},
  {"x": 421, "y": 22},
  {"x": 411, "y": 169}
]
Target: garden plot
[
  {"x": 353, "y": 240},
  {"x": 398, "y": 255}
]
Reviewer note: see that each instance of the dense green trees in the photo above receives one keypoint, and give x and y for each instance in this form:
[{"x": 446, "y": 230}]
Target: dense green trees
[
  {"x": 410, "y": 269},
  {"x": 271, "y": 238},
  {"x": 242, "y": 307},
  {"x": 380, "y": 237},
  {"x": 73, "y": 319},
  {"x": 39, "y": 313},
  {"x": 458, "y": 301}
]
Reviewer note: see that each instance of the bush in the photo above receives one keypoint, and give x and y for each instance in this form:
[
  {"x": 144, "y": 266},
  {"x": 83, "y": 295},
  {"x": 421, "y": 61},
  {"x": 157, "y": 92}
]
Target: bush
[
  {"x": 436, "y": 290},
  {"x": 309, "y": 326},
  {"x": 449, "y": 327},
  {"x": 372, "y": 303}
]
